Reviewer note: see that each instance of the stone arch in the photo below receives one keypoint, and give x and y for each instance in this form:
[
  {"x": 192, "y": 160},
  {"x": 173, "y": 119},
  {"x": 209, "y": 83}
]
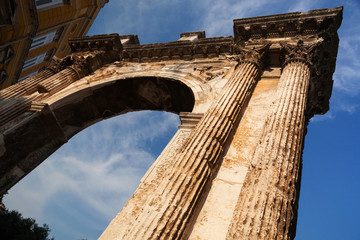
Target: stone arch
[
  {"x": 88, "y": 105},
  {"x": 82, "y": 104},
  {"x": 201, "y": 91}
]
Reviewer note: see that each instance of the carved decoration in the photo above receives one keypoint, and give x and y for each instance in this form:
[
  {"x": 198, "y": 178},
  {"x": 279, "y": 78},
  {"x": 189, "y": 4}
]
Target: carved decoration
[
  {"x": 208, "y": 73},
  {"x": 202, "y": 48},
  {"x": 106, "y": 42},
  {"x": 83, "y": 64},
  {"x": 287, "y": 25},
  {"x": 253, "y": 54},
  {"x": 89, "y": 54},
  {"x": 58, "y": 64},
  {"x": 299, "y": 52}
]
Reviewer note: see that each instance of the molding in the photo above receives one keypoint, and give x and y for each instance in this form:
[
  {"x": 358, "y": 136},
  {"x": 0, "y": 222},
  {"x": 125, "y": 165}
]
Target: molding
[
  {"x": 106, "y": 42},
  {"x": 288, "y": 24},
  {"x": 179, "y": 50}
]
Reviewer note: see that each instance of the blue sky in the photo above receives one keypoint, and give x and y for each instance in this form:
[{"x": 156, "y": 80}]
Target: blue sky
[{"x": 81, "y": 187}]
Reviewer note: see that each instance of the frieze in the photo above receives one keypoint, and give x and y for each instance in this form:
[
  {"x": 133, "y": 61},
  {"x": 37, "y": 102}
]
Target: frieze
[{"x": 179, "y": 50}]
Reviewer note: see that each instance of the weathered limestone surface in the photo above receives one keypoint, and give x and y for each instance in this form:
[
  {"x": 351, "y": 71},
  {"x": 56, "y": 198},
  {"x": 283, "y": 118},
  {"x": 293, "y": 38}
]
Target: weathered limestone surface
[
  {"x": 233, "y": 169},
  {"x": 175, "y": 196},
  {"x": 267, "y": 204},
  {"x": 216, "y": 214}
]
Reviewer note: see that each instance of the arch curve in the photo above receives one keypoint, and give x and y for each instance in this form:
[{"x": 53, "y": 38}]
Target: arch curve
[
  {"x": 52, "y": 123},
  {"x": 88, "y": 105}
]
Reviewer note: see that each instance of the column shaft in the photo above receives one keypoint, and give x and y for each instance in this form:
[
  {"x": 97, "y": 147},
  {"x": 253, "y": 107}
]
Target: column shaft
[
  {"x": 267, "y": 205},
  {"x": 26, "y": 86},
  {"x": 57, "y": 82},
  {"x": 13, "y": 107}
]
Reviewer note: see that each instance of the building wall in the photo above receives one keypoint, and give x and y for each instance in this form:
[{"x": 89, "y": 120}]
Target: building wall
[{"x": 25, "y": 21}]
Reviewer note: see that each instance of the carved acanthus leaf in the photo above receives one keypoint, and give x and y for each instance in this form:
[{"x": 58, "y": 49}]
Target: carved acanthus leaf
[
  {"x": 87, "y": 62},
  {"x": 300, "y": 52},
  {"x": 82, "y": 62},
  {"x": 252, "y": 54},
  {"x": 58, "y": 64}
]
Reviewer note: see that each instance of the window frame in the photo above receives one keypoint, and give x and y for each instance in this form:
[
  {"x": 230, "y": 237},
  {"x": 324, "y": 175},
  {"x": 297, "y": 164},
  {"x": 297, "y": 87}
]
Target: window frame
[
  {"x": 49, "y": 4},
  {"x": 34, "y": 61},
  {"x": 41, "y": 40},
  {"x": 27, "y": 76}
]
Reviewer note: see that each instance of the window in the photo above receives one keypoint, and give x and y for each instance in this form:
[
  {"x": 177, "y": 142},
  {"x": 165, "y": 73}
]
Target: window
[
  {"x": 6, "y": 55},
  {"x": 8, "y": 12},
  {"x": 3, "y": 76},
  {"x": 34, "y": 61},
  {"x": 49, "y": 55},
  {"x": 27, "y": 76},
  {"x": 41, "y": 40},
  {"x": 40, "y": 4},
  {"x": 58, "y": 34}
]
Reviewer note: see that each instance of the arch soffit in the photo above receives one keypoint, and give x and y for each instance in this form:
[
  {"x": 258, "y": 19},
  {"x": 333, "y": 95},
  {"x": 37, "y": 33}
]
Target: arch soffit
[{"x": 88, "y": 84}]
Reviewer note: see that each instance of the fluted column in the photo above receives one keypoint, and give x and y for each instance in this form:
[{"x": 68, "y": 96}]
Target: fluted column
[
  {"x": 29, "y": 85},
  {"x": 57, "y": 82},
  {"x": 17, "y": 98},
  {"x": 167, "y": 212},
  {"x": 13, "y": 107},
  {"x": 14, "y": 100},
  {"x": 26, "y": 86},
  {"x": 268, "y": 202}
]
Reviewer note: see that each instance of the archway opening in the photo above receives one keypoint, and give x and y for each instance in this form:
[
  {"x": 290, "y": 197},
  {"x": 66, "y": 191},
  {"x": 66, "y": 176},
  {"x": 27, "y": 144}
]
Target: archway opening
[
  {"x": 81, "y": 187},
  {"x": 89, "y": 105}
]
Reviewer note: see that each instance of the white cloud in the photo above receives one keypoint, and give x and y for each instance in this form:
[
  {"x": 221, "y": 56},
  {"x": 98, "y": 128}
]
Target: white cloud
[
  {"x": 320, "y": 118},
  {"x": 219, "y": 15},
  {"x": 347, "y": 80},
  {"x": 99, "y": 168},
  {"x": 303, "y": 6}
]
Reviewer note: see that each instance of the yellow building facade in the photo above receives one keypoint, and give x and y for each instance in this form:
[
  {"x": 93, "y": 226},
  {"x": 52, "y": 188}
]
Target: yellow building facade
[{"x": 33, "y": 31}]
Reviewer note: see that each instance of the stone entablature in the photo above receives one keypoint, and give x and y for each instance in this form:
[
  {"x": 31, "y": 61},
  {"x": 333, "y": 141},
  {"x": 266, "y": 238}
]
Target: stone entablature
[
  {"x": 179, "y": 50},
  {"x": 244, "y": 103},
  {"x": 287, "y": 25}
]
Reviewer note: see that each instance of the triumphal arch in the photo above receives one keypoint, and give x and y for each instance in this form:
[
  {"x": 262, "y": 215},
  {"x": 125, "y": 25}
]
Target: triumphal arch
[{"x": 232, "y": 170}]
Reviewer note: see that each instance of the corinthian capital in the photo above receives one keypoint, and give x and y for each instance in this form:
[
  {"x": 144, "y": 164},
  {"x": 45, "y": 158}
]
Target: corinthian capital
[
  {"x": 299, "y": 52},
  {"x": 253, "y": 54},
  {"x": 58, "y": 64},
  {"x": 86, "y": 62}
]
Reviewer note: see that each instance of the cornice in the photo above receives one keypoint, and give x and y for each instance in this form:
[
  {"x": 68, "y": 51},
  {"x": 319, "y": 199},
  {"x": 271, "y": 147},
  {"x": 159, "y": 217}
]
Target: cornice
[
  {"x": 288, "y": 24},
  {"x": 309, "y": 27},
  {"x": 105, "y": 42}
]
